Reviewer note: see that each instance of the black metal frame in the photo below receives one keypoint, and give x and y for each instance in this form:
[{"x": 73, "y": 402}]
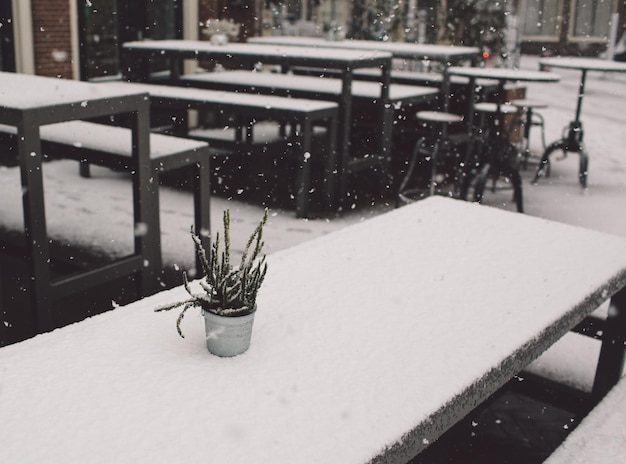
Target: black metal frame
[{"x": 146, "y": 259}]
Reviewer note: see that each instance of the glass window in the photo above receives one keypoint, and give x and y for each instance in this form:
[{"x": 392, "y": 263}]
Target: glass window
[
  {"x": 592, "y": 17},
  {"x": 7, "y": 50},
  {"x": 105, "y": 25},
  {"x": 541, "y": 18},
  {"x": 98, "y": 39}
]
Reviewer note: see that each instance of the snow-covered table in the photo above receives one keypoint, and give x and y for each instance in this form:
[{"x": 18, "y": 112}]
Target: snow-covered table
[
  {"x": 247, "y": 107},
  {"x": 369, "y": 343},
  {"x": 247, "y": 55},
  {"x": 30, "y": 102},
  {"x": 447, "y": 54}
]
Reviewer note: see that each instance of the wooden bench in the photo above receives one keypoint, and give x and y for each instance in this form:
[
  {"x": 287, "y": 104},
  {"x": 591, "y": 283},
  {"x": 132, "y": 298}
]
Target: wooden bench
[
  {"x": 302, "y": 114},
  {"x": 601, "y": 436},
  {"x": 109, "y": 146}
]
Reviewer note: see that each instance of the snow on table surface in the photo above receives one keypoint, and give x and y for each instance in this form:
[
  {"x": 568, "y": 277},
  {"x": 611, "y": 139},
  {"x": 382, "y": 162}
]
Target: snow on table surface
[
  {"x": 398, "y": 49},
  {"x": 600, "y": 437},
  {"x": 591, "y": 64},
  {"x": 258, "y": 50},
  {"x": 505, "y": 74},
  {"x": 23, "y": 91},
  {"x": 361, "y": 335}
]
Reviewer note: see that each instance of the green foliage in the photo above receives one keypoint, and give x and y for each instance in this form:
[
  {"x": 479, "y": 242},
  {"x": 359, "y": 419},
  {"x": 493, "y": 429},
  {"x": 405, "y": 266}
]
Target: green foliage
[
  {"x": 228, "y": 290},
  {"x": 377, "y": 19}
]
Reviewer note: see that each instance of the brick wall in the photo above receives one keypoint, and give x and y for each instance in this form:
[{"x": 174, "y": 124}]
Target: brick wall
[{"x": 52, "y": 38}]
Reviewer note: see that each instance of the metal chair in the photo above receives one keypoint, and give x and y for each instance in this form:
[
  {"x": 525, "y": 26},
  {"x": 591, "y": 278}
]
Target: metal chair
[
  {"x": 492, "y": 156},
  {"x": 430, "y": 148},
  {"x": 528, "y": 117}
]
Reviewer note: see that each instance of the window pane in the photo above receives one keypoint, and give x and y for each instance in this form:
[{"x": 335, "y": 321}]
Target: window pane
[
  {"x": 99, "y": 42},
  {"x": 541, "y": 18},
  {"x": 592, "y": 18}
]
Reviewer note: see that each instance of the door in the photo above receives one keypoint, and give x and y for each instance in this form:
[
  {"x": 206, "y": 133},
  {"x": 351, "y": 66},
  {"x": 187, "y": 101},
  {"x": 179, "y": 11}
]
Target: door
[
  {"x": 7, "y": 47},
  {"x": 105, "y": 25}
]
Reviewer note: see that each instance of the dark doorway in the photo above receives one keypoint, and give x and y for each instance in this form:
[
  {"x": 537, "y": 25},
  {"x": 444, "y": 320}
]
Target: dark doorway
[
  {"x": 105, "y": 25},
  {"x": 7, "y": 45}
]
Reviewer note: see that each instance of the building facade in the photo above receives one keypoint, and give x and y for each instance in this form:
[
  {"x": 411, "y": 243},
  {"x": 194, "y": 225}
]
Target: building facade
[{"x": 81, "y": 39}]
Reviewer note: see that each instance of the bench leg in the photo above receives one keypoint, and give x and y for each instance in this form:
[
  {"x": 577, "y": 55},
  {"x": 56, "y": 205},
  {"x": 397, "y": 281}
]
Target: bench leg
[
  {"x": 83, "y": 169},
  {"x": 202, "y": 204},
  {"x": 613, "y": 350},
  {"x": 330, "y": 181},
  {"x": 146, "y": 204},
  {"x": 303, "y": 185}
]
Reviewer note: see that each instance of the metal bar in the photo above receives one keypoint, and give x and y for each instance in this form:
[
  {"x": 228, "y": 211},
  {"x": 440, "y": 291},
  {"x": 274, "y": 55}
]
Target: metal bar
[
  {"x": 145, "y": 201},
  {"x": 202, "y": 202},
  {"x": 69, "y": 285},
  {"x": 581, "y": 94},
  {"x": 38, "y": 253},
  {"x": 613, "y": 350},
  {"x": 303, "y": 179}
]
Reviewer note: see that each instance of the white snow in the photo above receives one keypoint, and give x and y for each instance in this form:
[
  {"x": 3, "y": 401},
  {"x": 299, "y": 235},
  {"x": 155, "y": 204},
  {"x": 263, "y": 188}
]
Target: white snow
[
  {"x": 78, "y": 210},
  {"x": 334, "y": 360}
]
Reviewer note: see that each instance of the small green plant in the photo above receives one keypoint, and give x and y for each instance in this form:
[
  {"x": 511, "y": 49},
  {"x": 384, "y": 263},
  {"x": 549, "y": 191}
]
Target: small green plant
[{"x": 228, "y": 291}]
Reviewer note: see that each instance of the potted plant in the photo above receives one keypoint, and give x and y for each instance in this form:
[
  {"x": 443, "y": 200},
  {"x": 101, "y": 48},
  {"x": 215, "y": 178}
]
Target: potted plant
[
  {"x": 228, "y": 300},
  {"x": 220, "y": 31}
]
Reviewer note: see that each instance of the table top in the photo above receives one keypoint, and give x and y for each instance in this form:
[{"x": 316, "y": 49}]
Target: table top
[
  {"x": 368, "y": 343},
  {"x": 310, "y": 84},
  {"x": 24, "y": 91},
  {"x": 397, "y": 49},
  {"x": 505, "y": 74},
  {"x": 262, "y": 53},
  {"x": 589, "y": 64}
]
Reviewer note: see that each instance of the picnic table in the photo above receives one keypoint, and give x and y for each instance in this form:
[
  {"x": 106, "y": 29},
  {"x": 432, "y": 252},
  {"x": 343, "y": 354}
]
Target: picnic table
[
  {"x": 138, "y": 54},
  {"x": 364, "y": 95},
  {"x": 390, "y": 339},
  {"x": 30, "y": 102},
  {"x": 247, "y": 107}
]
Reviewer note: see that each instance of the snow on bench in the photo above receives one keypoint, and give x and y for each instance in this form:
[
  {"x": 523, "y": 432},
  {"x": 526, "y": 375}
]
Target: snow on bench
[
  {"x": 247, "y": 106},
  {"x": 601, "y": 436}
]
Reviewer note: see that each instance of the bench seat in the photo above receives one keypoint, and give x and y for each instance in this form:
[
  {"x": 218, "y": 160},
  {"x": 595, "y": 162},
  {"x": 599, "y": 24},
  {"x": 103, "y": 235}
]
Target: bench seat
[
  {"x": 601, "y": 436},
  {"x": 110, "y": 146}
]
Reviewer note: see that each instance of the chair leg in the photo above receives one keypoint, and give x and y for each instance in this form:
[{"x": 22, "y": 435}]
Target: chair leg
[{"x": 409, "y": 173}]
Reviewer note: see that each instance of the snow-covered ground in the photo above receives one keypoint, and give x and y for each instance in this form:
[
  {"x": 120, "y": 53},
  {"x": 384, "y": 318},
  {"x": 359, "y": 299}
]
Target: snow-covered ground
[{"x": 96, "y": 212}]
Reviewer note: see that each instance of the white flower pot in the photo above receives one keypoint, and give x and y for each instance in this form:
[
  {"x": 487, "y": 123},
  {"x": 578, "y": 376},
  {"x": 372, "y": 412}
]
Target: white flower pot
[{"x": 228, "y": 336}]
